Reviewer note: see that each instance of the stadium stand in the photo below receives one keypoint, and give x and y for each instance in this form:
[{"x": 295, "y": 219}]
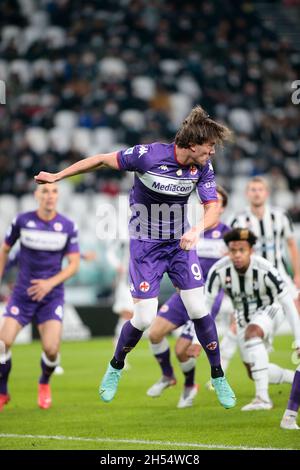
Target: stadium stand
[{"x": 93, "y": 76}]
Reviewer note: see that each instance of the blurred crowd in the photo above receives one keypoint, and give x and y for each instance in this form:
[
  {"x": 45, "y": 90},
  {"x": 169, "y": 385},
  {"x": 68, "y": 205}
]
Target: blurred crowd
[{"x": 92, "y": 76}]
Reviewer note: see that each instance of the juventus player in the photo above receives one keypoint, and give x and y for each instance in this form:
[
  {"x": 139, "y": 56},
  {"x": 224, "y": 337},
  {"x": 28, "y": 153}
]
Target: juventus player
[
  {"x": 45, "y": 238},
  {"x": 256, "y": 288},
  {"x": 161, "y": 241},
  {"x": 289, "y": 419},
  {"x": 274, "y": 230}
]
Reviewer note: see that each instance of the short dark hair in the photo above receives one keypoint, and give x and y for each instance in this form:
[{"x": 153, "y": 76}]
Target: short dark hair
[
  {"x": 199, "y": 128},
  {"x": 240, "y": 234},
  {"x": 223, "y": 193}
]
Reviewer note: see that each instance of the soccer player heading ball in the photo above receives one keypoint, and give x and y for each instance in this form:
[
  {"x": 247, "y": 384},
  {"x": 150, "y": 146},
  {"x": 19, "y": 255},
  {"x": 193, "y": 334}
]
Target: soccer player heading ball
[{"x": 161, "y": 241}]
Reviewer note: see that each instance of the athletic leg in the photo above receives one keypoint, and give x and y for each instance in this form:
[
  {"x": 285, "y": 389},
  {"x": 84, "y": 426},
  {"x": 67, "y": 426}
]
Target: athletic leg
[{"x": 8, "y": 332}]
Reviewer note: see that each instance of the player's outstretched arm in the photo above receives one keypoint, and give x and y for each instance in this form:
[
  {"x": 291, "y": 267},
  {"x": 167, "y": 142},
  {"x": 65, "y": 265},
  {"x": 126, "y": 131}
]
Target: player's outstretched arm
[{"x": 85, "y": 165}]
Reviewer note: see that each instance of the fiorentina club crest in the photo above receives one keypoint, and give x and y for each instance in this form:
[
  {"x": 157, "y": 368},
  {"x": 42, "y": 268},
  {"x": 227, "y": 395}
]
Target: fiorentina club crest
[
  {"x": 193, "y": 170},
  {"x": 216, "y": 234},
  {"x": 164, "y": 308},
  {"x": 212, "y": 346},
  {"x": 144, "y": 286},
  {"x": 58, "y": 227},
  {"x": 14, "y": 310}
]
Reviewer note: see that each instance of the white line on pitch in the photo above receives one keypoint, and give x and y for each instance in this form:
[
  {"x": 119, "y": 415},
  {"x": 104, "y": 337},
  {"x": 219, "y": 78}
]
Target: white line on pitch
[{"x": 139, "y": 441}]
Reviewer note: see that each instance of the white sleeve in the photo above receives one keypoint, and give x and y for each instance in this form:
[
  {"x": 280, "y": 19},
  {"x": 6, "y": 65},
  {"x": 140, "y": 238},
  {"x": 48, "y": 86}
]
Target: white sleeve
[
  {"x": 275, "y": 283},
  {"x": 291, "y": 312},
  {"x": 212, "y": 287}
]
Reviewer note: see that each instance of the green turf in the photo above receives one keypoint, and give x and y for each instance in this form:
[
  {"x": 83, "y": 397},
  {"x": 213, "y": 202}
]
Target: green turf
[{"x": 78, "y": 412}]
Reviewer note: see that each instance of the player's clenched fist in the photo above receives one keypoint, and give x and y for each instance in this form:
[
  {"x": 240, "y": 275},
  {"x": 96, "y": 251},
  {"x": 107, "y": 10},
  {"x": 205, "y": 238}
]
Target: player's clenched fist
[
  {"x": 189, "y": 239},
  {"x": 44, "y": 177}
]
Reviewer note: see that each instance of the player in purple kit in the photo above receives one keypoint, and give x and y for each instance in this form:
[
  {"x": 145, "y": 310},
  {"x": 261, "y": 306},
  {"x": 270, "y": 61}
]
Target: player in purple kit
[
  {"x": 45, "y": 238},
  {"x": 161, "y": 241},
  {"x": 173, "y": 314},
  {"x": 289, "y": 419}
]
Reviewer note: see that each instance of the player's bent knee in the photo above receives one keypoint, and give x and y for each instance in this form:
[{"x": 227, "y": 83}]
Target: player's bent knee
[
  {"x": 51, "y": 360},
  {"x": 51, "y": 351},
  {"x": 194, "y": 302},
  {"x": 155, "y": 336},
  {"x": 144, "y": 313},
  {"x": 253, "y": 331},
  {"x": 5, "y": 345},
  {"x": 181, "y": 355}
]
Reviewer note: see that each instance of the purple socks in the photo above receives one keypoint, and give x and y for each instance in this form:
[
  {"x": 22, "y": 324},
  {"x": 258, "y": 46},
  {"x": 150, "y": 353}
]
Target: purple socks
[
  {"x": 128, "y": 339},
  {"x": 4, "y": 373}
]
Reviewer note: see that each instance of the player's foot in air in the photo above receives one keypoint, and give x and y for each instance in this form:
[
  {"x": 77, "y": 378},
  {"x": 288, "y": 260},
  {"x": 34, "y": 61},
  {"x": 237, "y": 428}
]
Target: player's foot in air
[
  {"x": 4, "y": 399},
  {"x": 258, "y": 404},
  {"x": 44, "y": 396},
  {"x": 109, "y": 384},
  {"x": 187, "y": 396},
  {"x": 289, "y": 422},
  {"x": 224, "y": 392},
  {"x": 163, "y": 383}
]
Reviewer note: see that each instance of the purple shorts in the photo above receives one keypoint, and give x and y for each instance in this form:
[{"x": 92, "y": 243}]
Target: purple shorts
[
  {"x": 150, "y": 260},
  {"x": 175, "y": 312},
  {"x": 26, "y": 311}
]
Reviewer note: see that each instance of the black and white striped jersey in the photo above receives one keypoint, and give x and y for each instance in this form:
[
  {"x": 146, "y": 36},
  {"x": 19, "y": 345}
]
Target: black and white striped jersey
[
  {"x": 273, "y": 230},
  {"x": 259, "y": 286}
]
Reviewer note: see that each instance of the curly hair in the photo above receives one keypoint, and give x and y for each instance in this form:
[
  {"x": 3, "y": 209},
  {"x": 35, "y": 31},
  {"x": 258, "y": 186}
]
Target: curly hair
[{"x": 199, "y": 128}]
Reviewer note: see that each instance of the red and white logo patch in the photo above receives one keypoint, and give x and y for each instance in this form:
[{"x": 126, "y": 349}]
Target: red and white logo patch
[
  {"x": 15, "y": 310},
  {"x": 212, "y": 346},
  {"x": 144, "y": 286},
  {"x": 216, "y": 234},
  {"x": 58, "y": 227},
  {"x": 193, "y": 170},
  {"x": 164, "y": 308}
]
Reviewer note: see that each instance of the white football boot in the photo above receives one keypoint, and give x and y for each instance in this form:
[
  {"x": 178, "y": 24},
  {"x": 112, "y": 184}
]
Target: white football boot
[
  {"x": 289, "y": 422},
  {"x": 163, "y": 383},
  {"x": 187, "y": 396},
  {"x": 258, "y": 404}
]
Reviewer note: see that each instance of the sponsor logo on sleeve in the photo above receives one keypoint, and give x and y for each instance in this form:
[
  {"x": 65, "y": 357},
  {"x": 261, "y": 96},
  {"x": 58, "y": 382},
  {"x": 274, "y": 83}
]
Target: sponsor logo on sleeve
[
  {"x": 142, "y": 150},
  {"x": 129, "y": 151}
]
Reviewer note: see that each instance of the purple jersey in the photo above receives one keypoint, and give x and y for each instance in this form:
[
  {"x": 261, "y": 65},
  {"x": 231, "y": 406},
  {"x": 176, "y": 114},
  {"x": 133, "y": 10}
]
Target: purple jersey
[
  {"x": 211, "y": 247},
  {"x": 161, "y": 190},
  {"x": 43, "y": 244}
]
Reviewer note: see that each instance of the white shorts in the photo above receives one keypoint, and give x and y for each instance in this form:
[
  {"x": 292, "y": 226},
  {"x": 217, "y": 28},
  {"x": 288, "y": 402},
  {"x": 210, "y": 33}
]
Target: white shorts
[
  {"x": 268, "y": 319},
  {"x": 123, "y": 299}
]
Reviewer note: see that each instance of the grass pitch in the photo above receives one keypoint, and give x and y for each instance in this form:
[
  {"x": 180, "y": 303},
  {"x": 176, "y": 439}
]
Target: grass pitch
[{"x": 79, "y": 420}]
